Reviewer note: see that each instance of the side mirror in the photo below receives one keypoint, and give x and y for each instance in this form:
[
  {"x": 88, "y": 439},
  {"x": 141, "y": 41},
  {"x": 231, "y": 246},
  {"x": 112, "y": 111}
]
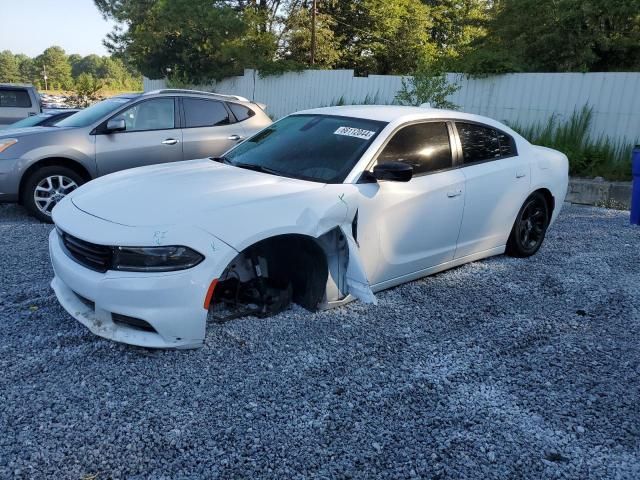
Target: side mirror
[
  {"x": 393, "y": 171},
  {"x": 116, "y": 125}
]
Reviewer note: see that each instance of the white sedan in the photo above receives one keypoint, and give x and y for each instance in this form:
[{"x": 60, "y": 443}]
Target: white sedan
[{"x": 320, "y": 208}]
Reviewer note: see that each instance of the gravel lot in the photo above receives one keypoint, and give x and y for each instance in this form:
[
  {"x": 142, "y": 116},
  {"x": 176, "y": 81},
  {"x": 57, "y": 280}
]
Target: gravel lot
[{"x": 503, "y": 368}]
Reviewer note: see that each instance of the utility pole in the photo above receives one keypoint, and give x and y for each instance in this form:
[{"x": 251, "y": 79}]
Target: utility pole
[
  {"x": 44, "y": 74},
  {"x": 313, "y": 32}
]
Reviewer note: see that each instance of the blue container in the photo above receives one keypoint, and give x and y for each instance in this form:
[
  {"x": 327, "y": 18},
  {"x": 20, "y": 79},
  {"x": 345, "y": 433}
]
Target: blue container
[{"x": 635, "y": 194}]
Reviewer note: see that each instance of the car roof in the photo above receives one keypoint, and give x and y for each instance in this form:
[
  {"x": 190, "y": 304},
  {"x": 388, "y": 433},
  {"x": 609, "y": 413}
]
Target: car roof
[{"x": 399, "y": 114}]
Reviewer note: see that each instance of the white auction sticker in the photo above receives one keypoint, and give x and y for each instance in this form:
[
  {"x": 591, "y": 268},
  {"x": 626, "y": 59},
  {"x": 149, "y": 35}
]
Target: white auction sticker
[{"x": 355, "y": 132}]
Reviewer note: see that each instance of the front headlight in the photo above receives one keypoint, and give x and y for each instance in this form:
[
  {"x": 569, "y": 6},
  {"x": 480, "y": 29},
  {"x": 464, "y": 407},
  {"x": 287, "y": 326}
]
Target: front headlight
[
  {"x": 6, "y": 143},
  {"x": 154, "y": 259}
]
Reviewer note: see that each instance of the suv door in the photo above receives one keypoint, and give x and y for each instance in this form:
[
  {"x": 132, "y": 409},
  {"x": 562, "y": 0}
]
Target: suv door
[
  {"x": 209, "y": 128},
  {"x": 16, "y": 104},
  {"x": 416, "y": 224},
  {"x": 152, "y": 135},
  {"x": 497, "y": 183}
]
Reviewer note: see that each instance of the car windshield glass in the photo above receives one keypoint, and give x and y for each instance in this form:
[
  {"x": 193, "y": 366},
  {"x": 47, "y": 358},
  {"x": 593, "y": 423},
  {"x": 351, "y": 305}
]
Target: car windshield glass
[
  {"x": 320, "y": 148},
  {"x": 86, "y": 117},
  {"x": 28, "y": 122}
]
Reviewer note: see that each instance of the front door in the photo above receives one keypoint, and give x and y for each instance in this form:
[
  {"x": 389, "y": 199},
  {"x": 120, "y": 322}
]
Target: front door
[
  {"x": 151, "y": 136},
  {"x": 406, "y": 227}
]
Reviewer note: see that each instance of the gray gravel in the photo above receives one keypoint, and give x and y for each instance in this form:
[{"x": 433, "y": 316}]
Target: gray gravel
[{"x": 503, "y": 368}]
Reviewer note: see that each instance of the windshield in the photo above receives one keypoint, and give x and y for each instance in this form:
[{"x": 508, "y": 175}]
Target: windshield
[
  {"x": 29, "y": 121},
  {"x": 320, "y": 148},
  {"x": 86, "y": 117}
]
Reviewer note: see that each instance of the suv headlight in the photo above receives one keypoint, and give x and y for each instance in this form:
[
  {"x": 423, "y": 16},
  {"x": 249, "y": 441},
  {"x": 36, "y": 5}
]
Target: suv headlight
[
  {"x": 154, "y": 259},
  {"x": 6, "y": 143}
]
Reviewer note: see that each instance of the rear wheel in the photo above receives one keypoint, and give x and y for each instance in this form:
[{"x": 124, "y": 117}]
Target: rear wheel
[
  {"x": 46, "y": 187},
  {"x": 530, "y": 227}
]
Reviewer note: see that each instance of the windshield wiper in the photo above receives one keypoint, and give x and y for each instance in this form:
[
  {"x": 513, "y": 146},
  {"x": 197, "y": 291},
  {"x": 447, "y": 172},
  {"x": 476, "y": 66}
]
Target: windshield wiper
[{"x": 258, "y": 168}]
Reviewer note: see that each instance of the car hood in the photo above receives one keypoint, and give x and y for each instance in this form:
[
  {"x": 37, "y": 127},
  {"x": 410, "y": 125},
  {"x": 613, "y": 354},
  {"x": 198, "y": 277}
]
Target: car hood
[
  {"x": 25, "y": 131},
  {"x": 179, "y": 193}
]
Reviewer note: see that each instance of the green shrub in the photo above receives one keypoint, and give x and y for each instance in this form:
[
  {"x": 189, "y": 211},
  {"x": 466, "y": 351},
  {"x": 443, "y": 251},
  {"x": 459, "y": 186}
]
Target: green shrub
[{"x": 588, "y": 157}]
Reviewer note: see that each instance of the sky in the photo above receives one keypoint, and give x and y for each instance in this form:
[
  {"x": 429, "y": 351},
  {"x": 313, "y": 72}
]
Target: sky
[{"x": 30, "y": 26}]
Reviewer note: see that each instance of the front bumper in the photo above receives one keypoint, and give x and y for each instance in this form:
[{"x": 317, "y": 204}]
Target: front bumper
[
  {"x": 172, "y": 304},
  {"x": 9, "y": 180}
]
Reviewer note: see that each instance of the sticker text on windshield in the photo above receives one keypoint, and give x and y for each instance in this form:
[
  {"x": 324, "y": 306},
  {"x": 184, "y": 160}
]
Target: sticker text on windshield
[{"x": 355, "y": 132}]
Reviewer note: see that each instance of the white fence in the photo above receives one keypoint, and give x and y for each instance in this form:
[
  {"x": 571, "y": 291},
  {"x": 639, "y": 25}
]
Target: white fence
[{"x": 519, "y": 97}]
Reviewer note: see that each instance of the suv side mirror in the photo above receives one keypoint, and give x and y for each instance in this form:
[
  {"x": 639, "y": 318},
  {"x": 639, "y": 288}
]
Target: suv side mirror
[
  {"x": 116, "y": 125},
  {"x": 393, "y": 171}
]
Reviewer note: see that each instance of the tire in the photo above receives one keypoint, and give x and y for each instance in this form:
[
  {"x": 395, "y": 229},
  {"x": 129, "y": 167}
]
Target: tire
[
  {"x": 46, "y": 187},
  {"x": 530, "y": 227}
]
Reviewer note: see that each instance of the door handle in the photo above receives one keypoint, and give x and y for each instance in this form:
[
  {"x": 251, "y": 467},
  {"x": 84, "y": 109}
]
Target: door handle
[
  {"x": 169, "y": 141},
  {"x": 235, "y": 138},
  {"x": 454, "y": 193},
  {"x": 521, "y": 174}
]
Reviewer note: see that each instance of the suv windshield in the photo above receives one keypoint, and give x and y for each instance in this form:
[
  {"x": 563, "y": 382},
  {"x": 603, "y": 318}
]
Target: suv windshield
[
  {"x": 92, "y": 114},
  {"x": 320, "y": 148}
]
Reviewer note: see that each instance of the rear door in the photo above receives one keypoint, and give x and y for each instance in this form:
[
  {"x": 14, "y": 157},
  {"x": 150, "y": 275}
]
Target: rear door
[
  {"x": 497, "y": 181},
  {"x": 209, "y": 128},
  {"x": 152, "y": 135},
  {"x": 16, "y": 104}
]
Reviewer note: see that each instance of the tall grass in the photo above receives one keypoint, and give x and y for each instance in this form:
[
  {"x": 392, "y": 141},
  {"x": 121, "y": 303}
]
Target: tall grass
[
  {"x": 368, "y": 100},
  {"x": 588, "y": 157}
]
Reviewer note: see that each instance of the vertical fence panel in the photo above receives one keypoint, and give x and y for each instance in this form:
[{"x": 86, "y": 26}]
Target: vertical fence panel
[{"x": 524, "y": 98}]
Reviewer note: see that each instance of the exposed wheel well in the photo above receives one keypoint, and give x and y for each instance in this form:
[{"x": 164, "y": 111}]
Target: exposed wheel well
[
  {"x": 49, "y": 162},
  {"x": 548, "y": 196},
  {"x": 289, "y": 259}
]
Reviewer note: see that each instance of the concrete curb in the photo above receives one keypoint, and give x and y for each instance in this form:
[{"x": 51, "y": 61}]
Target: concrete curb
[{"x": 599, "y": 192}]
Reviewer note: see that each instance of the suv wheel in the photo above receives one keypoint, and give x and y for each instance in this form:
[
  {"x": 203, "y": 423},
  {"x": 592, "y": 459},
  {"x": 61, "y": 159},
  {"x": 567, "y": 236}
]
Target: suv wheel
[{"x": 46, "y": 187}]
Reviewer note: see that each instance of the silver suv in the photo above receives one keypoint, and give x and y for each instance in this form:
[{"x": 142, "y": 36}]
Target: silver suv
[
  {"x": 18, "y": 102},
  {"x": 39, "y": 166}
]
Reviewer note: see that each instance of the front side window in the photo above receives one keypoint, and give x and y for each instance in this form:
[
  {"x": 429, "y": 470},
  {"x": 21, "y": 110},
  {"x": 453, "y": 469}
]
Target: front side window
[
  {"x": 156, "y": 114},
  {"x": 424, "y": 146},
  {"x": 320, "y": 148},
  {"x": 95, "y": 112},
  {"x": 14, "y": 98},
  {"x": 479, "y": 143},
  {"x": 204, "y": 113}
]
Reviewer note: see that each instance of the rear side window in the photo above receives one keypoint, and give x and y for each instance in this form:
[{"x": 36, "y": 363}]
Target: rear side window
[
  {"x": 507, "y": 145},
  {"x": 479, "y": 143},
  {"x": 424, "y": 146},
  {"x": 240, "y": 111},
  {"x": 204, "y": 113},
  {"x": 15, "y": 98}
]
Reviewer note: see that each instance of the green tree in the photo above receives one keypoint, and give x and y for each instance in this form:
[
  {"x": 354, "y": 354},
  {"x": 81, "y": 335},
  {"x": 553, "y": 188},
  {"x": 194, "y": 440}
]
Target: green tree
[
  {"x": 54, "y": 59},
  {"x": 91, "y": 64},
  {"x": 559, "y": 36},
  {"x": 456, "y": 24},
  {"x": 86, "y": 90},
  {"x": 188, "y": 40},
  {"x": 28, "y": 69},
  {"x": 9, "y": 67},
  {"x": 297, "y": 39},
  {"x": 382, "y": 36},
  {"x": 428, "y": 84},
  {"x": 74, "y": 62}
]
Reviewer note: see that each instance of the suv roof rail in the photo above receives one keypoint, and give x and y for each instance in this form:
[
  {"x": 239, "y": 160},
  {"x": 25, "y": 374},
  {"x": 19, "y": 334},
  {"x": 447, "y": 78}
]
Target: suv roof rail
[{"x": 197, "y": 92}]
